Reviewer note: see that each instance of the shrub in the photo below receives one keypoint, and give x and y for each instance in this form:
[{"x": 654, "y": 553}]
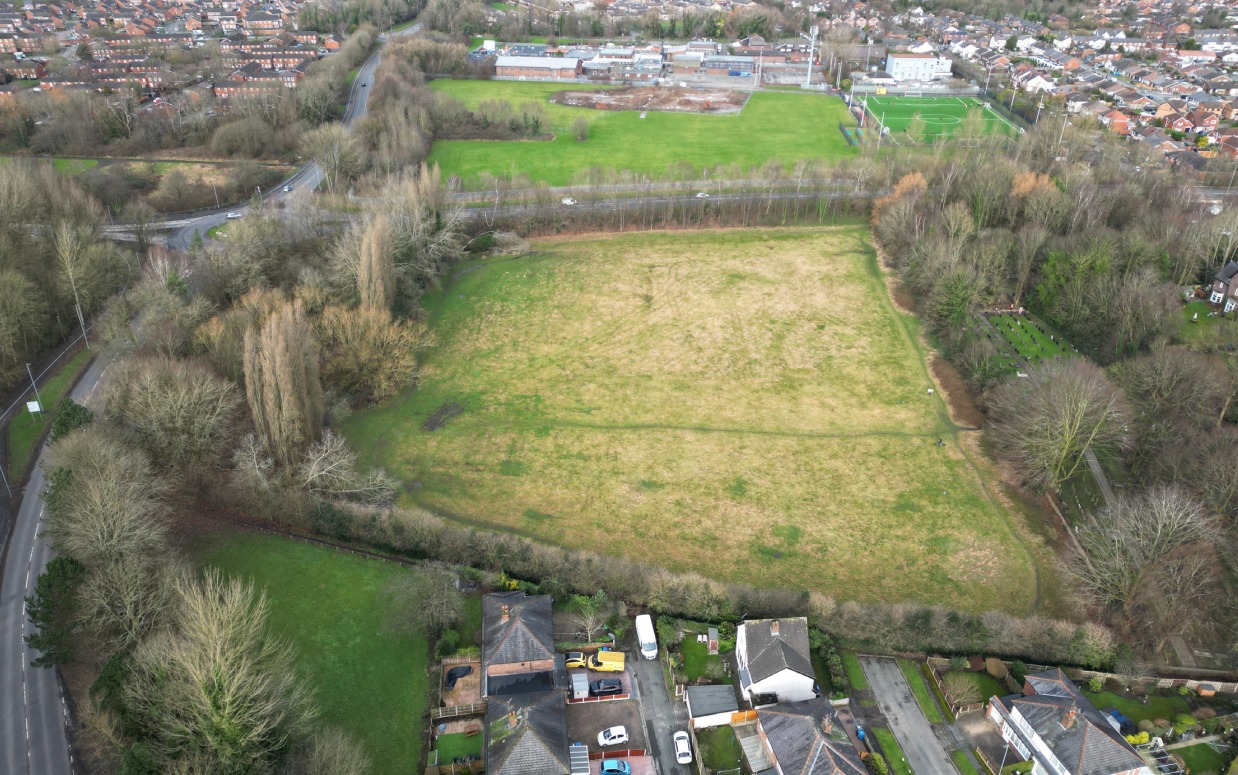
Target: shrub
[
  {"x": 69, "y": 417},
  {"x": 1138, "y": 739},
  {"x": 1096, "y": 684},
  {"x": 1019, "y": 671},
  {"x": 1205, "y": 713},
  {"x": 996, "y": 668},
  {"x": 877, "y": 764},
  {"x": 1184, "y": 691},
  {"x": 1146, "y": 725},
  {"x": 447, "y": 644},
  {"x": 958, "y": 663},
  {"x": 1183, "y": 722}
]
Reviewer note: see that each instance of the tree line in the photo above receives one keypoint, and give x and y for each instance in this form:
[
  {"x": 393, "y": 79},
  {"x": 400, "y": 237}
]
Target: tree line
[{"x": 1105, "y": 258}]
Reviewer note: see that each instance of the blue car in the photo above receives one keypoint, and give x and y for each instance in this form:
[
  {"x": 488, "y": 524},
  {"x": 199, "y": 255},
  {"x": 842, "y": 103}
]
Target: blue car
[{"x": 616, "y": 766}]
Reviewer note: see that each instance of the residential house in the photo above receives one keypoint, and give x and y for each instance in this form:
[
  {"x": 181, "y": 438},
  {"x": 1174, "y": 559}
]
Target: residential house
[
  {"x": 1052, "y": 725},
  {"x": 918, "y": 67},
  {"x": 1177, "y": 122},
  {"x": 774, "y": 662},
  {"x": 526, "y": 734},
  {"x": 1225, "y": 287},
  {"x": 1117, "y": 122},
  {"x": 806, "y": 738},
  {"x": 1203, "y": 121},
  {"x": 518, "y": 645}
]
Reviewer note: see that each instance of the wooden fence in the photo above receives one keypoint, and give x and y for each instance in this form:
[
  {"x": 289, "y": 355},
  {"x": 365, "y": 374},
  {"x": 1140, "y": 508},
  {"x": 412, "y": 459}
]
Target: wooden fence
[{"x": 458, "y": 711}]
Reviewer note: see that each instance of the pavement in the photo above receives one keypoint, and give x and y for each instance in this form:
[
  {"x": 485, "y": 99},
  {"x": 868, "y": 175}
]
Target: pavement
[
  {"x": 914, "y": 733},
  {"x": 661, "y": 717},
  {"x": 33, "y": 714}
]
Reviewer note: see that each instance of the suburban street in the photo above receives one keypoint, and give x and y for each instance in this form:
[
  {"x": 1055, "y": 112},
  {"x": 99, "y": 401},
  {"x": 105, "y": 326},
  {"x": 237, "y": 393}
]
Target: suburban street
[
  {"x": 913, "y": 732},
  {"x": 33, "y": 738}
]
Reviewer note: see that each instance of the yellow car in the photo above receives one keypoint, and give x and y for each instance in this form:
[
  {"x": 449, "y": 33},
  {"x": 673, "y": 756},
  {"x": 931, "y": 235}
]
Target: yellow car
[{"x": 575, "y": 659}]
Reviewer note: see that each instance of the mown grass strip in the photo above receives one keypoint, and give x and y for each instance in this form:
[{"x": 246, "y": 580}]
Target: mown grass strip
[
  {"x": 925, "y": 700},
  {"x": 855, "y": 672},
  {"x": 25, "y": 430},
  {"x": 963, "y": 764},
  {"x": 893, "y": 752}
]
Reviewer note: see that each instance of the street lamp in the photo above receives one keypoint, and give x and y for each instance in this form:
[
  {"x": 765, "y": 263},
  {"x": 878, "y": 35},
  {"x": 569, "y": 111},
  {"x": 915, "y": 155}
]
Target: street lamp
[{"x": 1039, "y": 108}]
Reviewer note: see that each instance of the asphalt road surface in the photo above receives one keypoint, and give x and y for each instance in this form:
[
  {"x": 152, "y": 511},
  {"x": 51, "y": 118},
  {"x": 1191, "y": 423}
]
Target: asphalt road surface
[
  {"x": 913, "y": 732},
  {"x": 304, "y": 180},
  {"x": 660, "y": 716},
  {"x": 33, "y": 740}
]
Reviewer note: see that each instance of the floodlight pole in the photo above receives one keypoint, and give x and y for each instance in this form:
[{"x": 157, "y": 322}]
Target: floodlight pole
[{"x": 812, "y": 46}]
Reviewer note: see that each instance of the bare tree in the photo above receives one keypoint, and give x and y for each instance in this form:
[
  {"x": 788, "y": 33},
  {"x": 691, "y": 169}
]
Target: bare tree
[
  {"x": 376, "y": 266},
  {"x": 592, "y": 614},
  {"x": 329, "y": 469},
  {"x": 960, "y": 689},
  {"x": 425, "y": 602},
  {"x": 281, "y": 383},
  {"x": 368, "y": 354},
  {"x": 333, "y": 148},
  {"x": 1045, "y": 423},
  {"x": 330, "y": 752},
  {"x": 123, "y": 601}
]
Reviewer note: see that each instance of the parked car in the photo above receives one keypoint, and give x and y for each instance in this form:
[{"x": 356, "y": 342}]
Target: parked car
[
  {"x": 574, "y": 659},
  {"x": 287, "y": 189},
  {"x": 683, "y": 748},
  {"x": 364, "y": 84},
  {"x": 702, "y": 195},
  {"x": 605, "y": 686},
  {"x": 616, "y": 767},
  {"x": 233, "y": 216},
  {"x": 613, "y": 736},
  {"x": 607, "y": 662},
  {"x": 567, "y": 200}
]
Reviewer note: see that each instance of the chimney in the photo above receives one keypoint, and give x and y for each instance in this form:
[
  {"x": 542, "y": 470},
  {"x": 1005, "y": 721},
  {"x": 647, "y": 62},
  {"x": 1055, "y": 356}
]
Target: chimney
[
  {"x": 773, "y": 628},
  {"x": 1068, "y": 720},
  {"x": 505, "y": 613},
  {"x": 511, "y": 720},
  {"x": 827, "y": 725}
]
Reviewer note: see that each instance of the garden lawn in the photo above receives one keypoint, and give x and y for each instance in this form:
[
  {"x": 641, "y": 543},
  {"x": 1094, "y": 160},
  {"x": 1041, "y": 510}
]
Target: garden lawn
[
  {"x": 1205, "y": 759},
  {"x": 746, "y": 404},
  {"x": 1156, "y": 706},
  {"x": 911, "y": 671},
  {"x": 367, "y": 681},
  {"x": 696, "y": 658},
  {"x": 719, "y": 750},
  {"x": 25, "y": 429},
  {"x": 457, "y": 744},
  {"x": 986, "y": 685},
  {"x": 855, "y": 671},
  {"x": 963, "y": 764},
  {"x": 781, "y": 127},
  {"x": 893, "y": 752}
]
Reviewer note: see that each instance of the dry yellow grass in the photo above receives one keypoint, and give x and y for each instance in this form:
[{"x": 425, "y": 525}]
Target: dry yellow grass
[{"x": 748, "y": 404}]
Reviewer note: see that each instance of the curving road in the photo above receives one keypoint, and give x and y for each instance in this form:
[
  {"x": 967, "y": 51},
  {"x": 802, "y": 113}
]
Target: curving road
[
  {"x": 305, "y": 180},
  {"x": 33, "y": 714}
]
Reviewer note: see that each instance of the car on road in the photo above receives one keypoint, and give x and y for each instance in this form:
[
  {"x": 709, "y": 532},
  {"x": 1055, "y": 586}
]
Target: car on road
[
  {"x": 683, "y": 748},
  {"x": 613, "y": 736},
  {"x": 605, "y": 686},
  {"x": 702, "y": 195},
  {"x": 574, "y": 659},
  {"x": 567, "y": 200},
  {"x": 364, "y": 84},
  {"x": 287, "y": 189},
  {"x": 615, "y": 767},
  {"x": 233, "y": 216}
]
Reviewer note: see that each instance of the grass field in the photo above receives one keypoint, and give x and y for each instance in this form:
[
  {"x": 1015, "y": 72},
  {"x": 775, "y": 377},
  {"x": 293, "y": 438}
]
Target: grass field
[
  {"x": 911, "y": 672},
  {"x": 942, "y": 116},
  {"x": 963, "y": 764},
  {"x": 778, "y": 127},
  {"x": 366, "y": 680},
  {"x": 893, "y": 752},
  {"x": 746, "y": 404},
  {"x": 25, "y": 429}
]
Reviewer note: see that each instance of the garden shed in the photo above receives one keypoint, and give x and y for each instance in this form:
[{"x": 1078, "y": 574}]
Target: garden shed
[{"x": 711, "y": 706}]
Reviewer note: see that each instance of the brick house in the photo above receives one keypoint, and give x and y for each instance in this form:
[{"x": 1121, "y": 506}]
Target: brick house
[{"x": 1225, "y": 288}]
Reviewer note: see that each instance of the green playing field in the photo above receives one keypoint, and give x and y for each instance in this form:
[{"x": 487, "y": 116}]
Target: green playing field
[{"x": 940, "y": 115}]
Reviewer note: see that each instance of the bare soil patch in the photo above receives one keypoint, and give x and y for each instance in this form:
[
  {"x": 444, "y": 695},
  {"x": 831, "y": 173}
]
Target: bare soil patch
[
  {"x": 959, "y": 401},
  {"x": 657, "y": 98}
]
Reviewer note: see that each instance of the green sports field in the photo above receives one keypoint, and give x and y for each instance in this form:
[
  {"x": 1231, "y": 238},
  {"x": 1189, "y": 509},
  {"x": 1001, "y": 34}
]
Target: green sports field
[
  {"x": 747, "y": 404},
  {"x": 782, "y": 127},
  {"x": 942, "y": 116}
]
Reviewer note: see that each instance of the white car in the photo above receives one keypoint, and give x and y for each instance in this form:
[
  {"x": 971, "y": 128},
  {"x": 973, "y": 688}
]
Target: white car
[
  {"x": 613, "y": 736},
  {"x": 683, "y": 748},
  {"x": 287, "y": 189},
  {"x": 233, "y": 216},
  {"x": 702, "y": 195},
  {"x": 567, "y": 200}
]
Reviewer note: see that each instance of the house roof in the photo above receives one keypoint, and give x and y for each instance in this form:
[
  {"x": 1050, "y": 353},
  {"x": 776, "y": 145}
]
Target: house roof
[
  {"x": 708, "y": 700},
  {"x": 807, "y": 738},
  {"x": 1227, "y": 272},
  {"x": 1071, "y": 727},
  {"x": 774, "y": 645},
  {"x": 527, "y": 735},
  {"x": 516, "y": 628}
]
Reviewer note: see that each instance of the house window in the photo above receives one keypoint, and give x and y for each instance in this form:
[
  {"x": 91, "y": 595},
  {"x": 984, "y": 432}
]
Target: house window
[
  {"x": 1229, "y": 305},
  {"x": 1216, "y": 297}
]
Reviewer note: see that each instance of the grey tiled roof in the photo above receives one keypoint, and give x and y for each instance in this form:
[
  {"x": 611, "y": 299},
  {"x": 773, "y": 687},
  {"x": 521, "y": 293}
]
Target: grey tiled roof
[
  {"x": 806, "y": 738},
  {"x": 768, "y": 653},
  {"x": 526, "y": 636},
  {"x": 1079, "y": 735},
  {"x": 526, "y": 734}
]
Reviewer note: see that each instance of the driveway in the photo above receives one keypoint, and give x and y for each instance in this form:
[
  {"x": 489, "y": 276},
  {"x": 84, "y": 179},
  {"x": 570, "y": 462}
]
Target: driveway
[
  {"x": 913, "y": 732},
  {"x": 661, "y": 717}
]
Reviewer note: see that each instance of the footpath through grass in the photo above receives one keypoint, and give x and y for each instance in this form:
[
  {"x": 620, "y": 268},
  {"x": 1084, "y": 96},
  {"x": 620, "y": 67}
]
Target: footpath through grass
[
  {"x": 746, "y": 404},
  {"x": 367, "y": 681},
  {"x": 780, "y": 127},
  {"x": 25, "y": 430}
]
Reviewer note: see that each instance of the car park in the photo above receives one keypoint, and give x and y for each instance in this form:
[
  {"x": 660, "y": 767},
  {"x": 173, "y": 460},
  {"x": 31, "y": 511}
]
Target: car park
[
  {"x": 615, "y": 767},
  {"x": 605, "y": 686},
  {"x": 683, "y": 748},
  {"x": 613, "y": 736},
  {"x": 574, "y": 659}
]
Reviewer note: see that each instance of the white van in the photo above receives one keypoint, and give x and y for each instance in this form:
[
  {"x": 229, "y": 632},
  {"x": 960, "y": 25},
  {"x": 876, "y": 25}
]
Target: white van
[{"x": 645, "y": 635}]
